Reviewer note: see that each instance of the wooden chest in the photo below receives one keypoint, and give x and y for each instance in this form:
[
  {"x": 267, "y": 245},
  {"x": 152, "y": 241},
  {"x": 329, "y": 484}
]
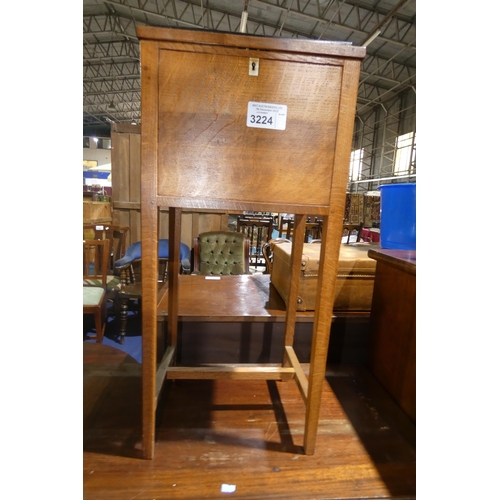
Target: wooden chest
[
  {"x": 96, "y": 211},
  {"x": 355, "y": 277}
]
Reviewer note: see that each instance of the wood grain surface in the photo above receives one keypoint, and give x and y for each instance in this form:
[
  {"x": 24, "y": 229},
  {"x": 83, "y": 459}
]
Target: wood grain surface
[
  {"x": 248, "y": 434},
  {"x": 200, "y": 151}
]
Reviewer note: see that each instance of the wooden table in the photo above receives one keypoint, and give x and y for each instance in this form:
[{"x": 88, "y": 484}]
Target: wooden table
[
  {"x": 232, "y": 299},
  {"x": 221, "y": 304},
  {"x": 243, "y": 318},
  {"x": 228, "y": 299},
  {"x": 244, "y": 298},
  {"x": 393, "y": 325},
  {"x": 240, "y": 308},
  {"x": 235, "y": 299},
  {"x": 243, "y": 321}
]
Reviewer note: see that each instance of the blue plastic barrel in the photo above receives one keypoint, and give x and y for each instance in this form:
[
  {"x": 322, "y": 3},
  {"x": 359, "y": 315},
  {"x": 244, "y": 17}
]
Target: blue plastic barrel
[{"x": 398, "y": 221}]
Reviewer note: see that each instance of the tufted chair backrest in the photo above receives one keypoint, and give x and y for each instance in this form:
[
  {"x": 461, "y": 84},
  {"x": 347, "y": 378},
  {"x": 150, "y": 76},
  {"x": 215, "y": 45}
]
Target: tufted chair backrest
[{"x": 221, "y": 252}]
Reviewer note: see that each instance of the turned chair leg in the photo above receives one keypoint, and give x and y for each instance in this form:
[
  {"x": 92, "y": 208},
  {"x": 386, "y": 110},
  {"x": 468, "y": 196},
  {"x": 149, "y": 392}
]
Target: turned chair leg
[{"x": 123, "y": 318}]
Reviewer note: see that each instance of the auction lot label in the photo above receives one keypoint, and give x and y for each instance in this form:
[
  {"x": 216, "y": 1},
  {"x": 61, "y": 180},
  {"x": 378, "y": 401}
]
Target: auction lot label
[{"x": 266, "y": 115}]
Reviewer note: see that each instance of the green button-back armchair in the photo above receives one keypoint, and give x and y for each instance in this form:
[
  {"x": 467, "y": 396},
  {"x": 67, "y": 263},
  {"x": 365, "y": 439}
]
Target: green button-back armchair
[{"x": 221, "y": 252}]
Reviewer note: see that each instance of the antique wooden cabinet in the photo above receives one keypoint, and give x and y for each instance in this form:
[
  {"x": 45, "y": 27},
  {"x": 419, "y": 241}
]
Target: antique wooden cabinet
[
  {"x": 241, "y": 122},
  {"x": 392, "y": 356},
  {"x": 96, "y": 212}
]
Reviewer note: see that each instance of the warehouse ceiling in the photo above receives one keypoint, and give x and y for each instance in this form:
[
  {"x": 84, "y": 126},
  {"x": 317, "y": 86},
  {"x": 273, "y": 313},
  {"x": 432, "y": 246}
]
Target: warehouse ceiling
[{"x": 111, "y": 53}]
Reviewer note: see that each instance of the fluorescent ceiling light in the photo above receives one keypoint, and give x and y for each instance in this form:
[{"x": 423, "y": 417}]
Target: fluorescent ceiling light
[{"x": 372, "y": 37}]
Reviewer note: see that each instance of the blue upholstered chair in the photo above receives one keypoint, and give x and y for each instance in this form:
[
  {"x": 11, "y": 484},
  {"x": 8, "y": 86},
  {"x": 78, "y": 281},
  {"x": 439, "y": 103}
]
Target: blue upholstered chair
[
  {"x": 129, "y": 270},
  {"x": 128, "y": 267}
]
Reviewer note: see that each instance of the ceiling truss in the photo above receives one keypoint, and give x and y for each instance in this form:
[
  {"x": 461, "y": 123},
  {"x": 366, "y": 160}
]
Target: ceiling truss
[{"x": 111, "y": 54}]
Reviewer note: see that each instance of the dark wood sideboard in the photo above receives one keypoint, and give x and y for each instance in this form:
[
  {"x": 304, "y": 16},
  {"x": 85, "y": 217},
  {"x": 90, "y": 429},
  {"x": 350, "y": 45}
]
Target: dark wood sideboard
[{"x": 392, "y": 358}]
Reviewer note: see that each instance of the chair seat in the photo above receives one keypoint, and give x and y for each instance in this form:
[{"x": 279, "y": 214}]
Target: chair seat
[
  {"x": 92, "y": 295},
  {"x": 112, "y": 282},
  {"x": 95, "y": 267},
  {"x": 134, "y": 252}
]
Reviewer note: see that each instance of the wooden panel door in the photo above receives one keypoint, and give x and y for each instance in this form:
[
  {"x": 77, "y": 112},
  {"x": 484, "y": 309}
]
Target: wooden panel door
[{"x": 126, "y": 178}]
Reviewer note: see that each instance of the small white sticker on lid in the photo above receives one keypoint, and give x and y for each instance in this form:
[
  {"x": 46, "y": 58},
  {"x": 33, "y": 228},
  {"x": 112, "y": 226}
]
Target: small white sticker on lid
[{"x": 228, "y": 488}]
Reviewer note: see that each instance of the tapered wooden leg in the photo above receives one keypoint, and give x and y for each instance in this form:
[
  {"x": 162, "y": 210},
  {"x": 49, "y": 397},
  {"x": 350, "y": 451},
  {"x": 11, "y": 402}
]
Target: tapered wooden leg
[
  {"x": 312, "y": 409},
  {"x": 327, "y": 272}
]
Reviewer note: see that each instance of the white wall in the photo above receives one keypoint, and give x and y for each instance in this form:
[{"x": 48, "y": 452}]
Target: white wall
[{"x": 103, "y": 157}]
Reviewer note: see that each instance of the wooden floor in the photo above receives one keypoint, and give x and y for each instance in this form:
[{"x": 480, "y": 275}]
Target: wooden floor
[{"x": 246, "y": 435}]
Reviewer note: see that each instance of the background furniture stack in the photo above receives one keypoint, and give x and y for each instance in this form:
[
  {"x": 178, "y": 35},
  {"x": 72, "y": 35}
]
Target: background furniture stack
[
  {"x": 371, "y": 210},
  {"x": 258, "y": 230},
  {"x": 363, "y": 209}
]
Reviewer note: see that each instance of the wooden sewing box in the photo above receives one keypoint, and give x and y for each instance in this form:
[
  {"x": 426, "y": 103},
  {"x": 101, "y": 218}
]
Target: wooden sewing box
[{"x": 355, "y": 276}]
